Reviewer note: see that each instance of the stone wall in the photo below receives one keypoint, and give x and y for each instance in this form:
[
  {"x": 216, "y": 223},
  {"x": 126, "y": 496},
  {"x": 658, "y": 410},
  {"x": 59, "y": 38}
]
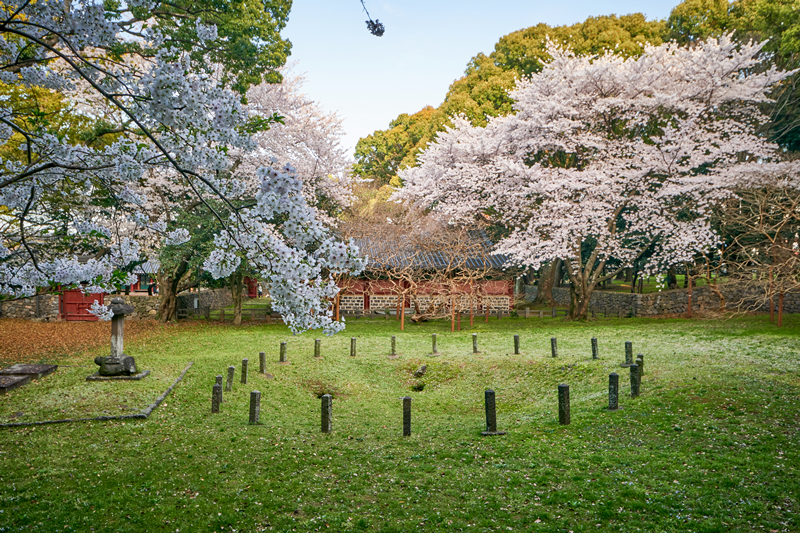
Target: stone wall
[
  {"x": 143, "y": 306},
  {"x": 351, "y": 302},
  {"x": 379, "y": 302},
  {"x": 27, "y": 307},
  {"x": 213, "y": 298},
  {"x": 674, "y": 301}
]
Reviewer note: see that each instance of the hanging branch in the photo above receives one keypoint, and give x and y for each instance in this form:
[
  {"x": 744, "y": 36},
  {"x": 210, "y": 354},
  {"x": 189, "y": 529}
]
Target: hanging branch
[{"x": 375, "y": 27}]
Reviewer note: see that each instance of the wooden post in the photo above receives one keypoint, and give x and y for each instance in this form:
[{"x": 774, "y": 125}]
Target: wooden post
[
  {"x": 399, "y": 305},
  {"x": 403, "y": 312},
  {"x": 780, "y": 309}
]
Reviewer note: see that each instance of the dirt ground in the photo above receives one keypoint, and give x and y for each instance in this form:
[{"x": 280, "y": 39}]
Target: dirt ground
[{"x": 23, "y": 341}]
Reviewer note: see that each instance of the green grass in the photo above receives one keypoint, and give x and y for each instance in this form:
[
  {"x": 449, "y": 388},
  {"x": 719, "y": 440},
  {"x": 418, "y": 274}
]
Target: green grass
[{"x": 711, "y": 445}]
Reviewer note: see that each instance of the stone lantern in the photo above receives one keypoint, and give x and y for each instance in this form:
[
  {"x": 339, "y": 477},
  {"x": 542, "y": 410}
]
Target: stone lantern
[{"x": 117, "y": 364}]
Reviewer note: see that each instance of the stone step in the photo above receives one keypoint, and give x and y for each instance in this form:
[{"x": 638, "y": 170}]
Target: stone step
[{"x": 32, "y": 371}]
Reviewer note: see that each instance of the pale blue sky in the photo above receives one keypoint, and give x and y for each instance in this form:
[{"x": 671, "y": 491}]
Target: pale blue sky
[{"x": 370, "y": 80}]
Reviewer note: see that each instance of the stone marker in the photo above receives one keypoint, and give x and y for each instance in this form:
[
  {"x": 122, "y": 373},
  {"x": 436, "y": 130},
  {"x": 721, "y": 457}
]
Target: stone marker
[
  {"x": 229, "y": 382},
  {"x": 216, "y": 398},
  {"x": 218, "y": 381},
  {"x": 634, "y": 380},
  {"x": 491, "y": 415},
  {"x": 613, "y": 391},
  {"x": 9, "y": 383},
  {"x": 327, "y": 413},
  {"x": 407, "y": 416},
  {"x": 283, "y": 354},
  {"x": 563, "y": 404},
  {"x": 595, "y": 353},
  {"x": 118, "y": 363},
  {"x": 393, "y": 355},
  {"x": 435, "y": 352},
  {"x": 553, "y": 347},
  {"x": 475, "y": 343},
  {"x": 421, "y": 371},
  {"x": 640, "y": 362},
  {"x": 352, "y": 346},
  {"x": 32, "y": 371},
  {"x": 244, "y": 370},
  {"x": 262, "y": 362},
  {"x": 317, "y": 348},
  {"x": 516, "y": 344},
  {"x": 255, "y": 407},
  {"x": 628, "y": 354}
]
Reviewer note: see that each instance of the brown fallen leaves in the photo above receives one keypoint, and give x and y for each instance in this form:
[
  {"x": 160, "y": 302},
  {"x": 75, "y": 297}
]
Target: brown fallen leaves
[{"x": 22, "y": 341}]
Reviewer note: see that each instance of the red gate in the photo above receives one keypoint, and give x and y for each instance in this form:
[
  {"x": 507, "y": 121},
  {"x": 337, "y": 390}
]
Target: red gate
[{"x": 74, "y": 305}]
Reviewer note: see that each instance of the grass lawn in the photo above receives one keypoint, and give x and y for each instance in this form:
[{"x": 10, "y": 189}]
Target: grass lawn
[{"x": 711, "y": 445}]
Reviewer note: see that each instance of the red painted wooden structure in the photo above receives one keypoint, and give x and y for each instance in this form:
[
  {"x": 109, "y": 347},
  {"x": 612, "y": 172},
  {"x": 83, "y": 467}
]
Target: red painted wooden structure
[{"x": 74, "y": 305}]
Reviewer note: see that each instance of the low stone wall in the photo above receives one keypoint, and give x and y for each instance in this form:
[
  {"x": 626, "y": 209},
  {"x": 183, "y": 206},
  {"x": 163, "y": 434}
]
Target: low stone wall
[
  {"x": 41, "y": 306},
  {"x": 674, "y": 301},
  {"x": 143, "y": 306},
  {"x": 213, "y": 298}
]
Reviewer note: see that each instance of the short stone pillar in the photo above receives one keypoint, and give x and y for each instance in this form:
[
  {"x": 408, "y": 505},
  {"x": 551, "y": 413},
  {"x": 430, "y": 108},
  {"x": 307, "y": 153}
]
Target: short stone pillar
[
  {"x": 613, "y": 391},
  {"x": 640, "y": 362},
  {"x": 216, "y": 398},
  {"x": 118, "y": 363},
  {"x": 218, "y": 381},
  {"x": 255, "y": 407},
  {"x": 434, "y": 350},
  {"x": 327, "y": 413},
  {"x": 491, "y": 414},
  {"x": 393, "y": 354},
  {"x": 527, "y": 312},
  {"x": 352, "y": 346},
  {"x": 553, "y": 312},
  {"x": 595, "y": 351},
  {"x": 283, "y": 353},
  {"x": 553, "y": 347},
  {"x": 262, "y": 362},
  {"x": 317, "y": 348},
  {"x": 244, "y": 370},
  {"x": 516, "y": 344},
  {"x": 628, "y": 354},
  {"x": 229, "y": 382},
  {"x": 563, "y": 404},
  {"x": 407, "y": 416},
  {"x": 634, "y": 380},
  {"x": 475, "y": 343}
]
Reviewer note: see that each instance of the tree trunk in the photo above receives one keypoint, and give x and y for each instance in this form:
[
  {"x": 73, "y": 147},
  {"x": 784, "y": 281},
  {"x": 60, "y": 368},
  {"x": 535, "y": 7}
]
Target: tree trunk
[
  {"x": 628, "y": 275},
  {"x": 168, "y": 309},
  {"x": 236, "y": 282},
  {"x": 547, "y": 278},
  {"x": 672, "y": 278},
  {"x": 634, "y": 279}
]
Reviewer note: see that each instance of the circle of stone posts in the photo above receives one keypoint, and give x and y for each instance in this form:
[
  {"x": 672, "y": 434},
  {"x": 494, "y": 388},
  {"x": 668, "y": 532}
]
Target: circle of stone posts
[
  {"x": 475, "y": 343},
  {"x": 640, "y": 362},
  {"x": 352, "y": 346},
  {"x": 563, "y": 404},
  {"x": 628, "y": 354},
  {"x": 216, "y": 398},
  {"x": 317, "y": 348},
  {"x": 393, "y": 354},
  {"x": 595, "y": 351},
  {"x": 218, "y": 381},
  {"x": 262, "y": 362},
  {"x": 613, "y": 391},
  {"x": 245, "y": 361},
  {"x": 516, "y": 344},
  {"x": 553, "y": 346},
  {"x": 282, "y": 359}
]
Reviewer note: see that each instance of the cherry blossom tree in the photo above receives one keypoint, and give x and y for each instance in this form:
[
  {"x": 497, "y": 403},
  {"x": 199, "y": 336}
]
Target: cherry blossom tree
[
  {"x": 171, "y": 115},
  {"x": 606, "y": 158}
]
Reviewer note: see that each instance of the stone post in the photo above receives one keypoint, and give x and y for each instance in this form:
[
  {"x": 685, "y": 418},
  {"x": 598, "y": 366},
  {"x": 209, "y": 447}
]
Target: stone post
[
  {"x": 628, "y": 353},
  {"x": 640, "y": 362},
  {"x": 393, "y": 355},
  {"x": 352, "y": 346},
  {"x": 634, "y": 380},
  {"x": 475, "y": 343},
  {"x": 553, "y": 312},
  {"x": 491, "y": 414},
  {"x": 435, "y": 352},
  {"x": 563, "y": 404},
  {"x": 218, "y": 381},
  {"x": 262, "y": 362},
  {"x": 541, "y": 313},
  {"x": 229, "y": 382},
  {"x": 216, "y": 398},
  {"x": 553, "y": 347},
  {"x": 283, "y": 353},
  {"x": 613, "y": 391},
  {"x": 407, "y": 416},
  {"x": 255, "y": 407},
  {"x": 527, "y": 312},
  {"x": 595, "y": 352},
  {"x": 317, "y": 348},
  {"x": 244, "y": 370},
  {"x": 516, "y": 344},
  {"x": 327, "y": 413}
]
